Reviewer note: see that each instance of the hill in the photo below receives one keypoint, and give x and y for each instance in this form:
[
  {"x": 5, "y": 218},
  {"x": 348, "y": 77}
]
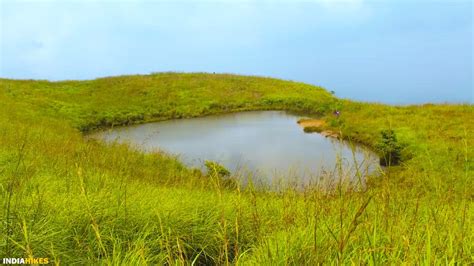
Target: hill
[{"x": 80, "y": 201}]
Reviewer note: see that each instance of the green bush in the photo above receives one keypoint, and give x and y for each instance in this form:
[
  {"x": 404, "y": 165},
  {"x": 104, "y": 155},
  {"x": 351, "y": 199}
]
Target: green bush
[
  {"x": 215, "y": 169},
  {"x": 390, "y": 148}
]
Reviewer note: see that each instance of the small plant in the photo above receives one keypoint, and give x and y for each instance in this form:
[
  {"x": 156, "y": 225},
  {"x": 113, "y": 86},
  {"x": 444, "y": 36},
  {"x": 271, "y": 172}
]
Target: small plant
[
  {"x": 389, "y": 148},
  {"x": 214, "y": 168}
]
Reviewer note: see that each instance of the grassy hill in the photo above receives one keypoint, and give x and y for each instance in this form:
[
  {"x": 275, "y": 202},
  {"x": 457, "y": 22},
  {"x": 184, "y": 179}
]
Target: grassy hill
[{"x": 80, "y": 201}]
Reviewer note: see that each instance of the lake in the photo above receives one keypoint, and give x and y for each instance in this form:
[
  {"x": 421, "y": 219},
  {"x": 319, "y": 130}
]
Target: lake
[{"x": 267, "y": 145}]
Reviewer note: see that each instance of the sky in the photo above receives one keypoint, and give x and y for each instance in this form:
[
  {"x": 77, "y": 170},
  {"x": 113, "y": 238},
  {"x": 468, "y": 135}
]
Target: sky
[{"x": 389, "y": 51}]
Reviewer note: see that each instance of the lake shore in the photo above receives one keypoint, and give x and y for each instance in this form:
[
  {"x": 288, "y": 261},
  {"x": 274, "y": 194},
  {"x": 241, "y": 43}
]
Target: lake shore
[{"x": 311, "y": 125}]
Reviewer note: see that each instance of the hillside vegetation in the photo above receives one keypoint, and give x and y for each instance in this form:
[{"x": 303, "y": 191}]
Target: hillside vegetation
[{"x": 79, "y": 201}]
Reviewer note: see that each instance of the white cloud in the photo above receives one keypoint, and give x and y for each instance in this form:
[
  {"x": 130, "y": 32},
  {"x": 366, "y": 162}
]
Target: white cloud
[{"x": 48, "y": 36}]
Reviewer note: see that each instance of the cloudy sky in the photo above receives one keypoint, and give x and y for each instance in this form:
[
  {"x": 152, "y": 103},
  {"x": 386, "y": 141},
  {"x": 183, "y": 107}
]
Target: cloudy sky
[{"x": 392, "y": 51}]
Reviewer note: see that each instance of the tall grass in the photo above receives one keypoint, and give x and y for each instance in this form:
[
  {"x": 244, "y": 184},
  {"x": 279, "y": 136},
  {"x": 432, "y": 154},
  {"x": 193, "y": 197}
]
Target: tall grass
[{"x": 79, "y": 201}]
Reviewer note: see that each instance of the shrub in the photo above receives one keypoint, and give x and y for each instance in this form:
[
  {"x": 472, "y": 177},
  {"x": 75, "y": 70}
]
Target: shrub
[
  {"x": 390, "y": 148},
  {"x": 214, "y": 168}
]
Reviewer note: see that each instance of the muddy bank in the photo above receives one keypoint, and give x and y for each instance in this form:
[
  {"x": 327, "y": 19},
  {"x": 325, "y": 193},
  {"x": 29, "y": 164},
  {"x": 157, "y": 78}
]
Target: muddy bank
[{"x": 311, "y": 125}]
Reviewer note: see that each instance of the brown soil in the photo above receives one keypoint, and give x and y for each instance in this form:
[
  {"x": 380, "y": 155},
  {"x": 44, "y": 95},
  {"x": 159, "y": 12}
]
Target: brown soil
[
  {"x": 308, "y": 122},
  {"x": 311, "y": 123}
]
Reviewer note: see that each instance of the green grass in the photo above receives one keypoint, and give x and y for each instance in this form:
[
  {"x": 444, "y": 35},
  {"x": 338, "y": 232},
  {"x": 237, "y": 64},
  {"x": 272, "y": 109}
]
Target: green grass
[{"x": 79, "y": 201}]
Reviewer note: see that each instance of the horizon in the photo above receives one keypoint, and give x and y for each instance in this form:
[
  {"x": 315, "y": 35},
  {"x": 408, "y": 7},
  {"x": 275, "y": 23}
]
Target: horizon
[
  {"x": 216, "y": 73},
  {"x": 373, "y": 51}
]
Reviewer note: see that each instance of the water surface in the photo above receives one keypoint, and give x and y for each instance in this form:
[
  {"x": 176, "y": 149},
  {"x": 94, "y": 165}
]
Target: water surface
[{"x": 265, "y": 144}]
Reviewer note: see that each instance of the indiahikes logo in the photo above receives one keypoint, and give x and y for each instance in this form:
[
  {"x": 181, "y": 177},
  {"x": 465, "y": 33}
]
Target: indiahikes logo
[{"x": 25, "y": 260}]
